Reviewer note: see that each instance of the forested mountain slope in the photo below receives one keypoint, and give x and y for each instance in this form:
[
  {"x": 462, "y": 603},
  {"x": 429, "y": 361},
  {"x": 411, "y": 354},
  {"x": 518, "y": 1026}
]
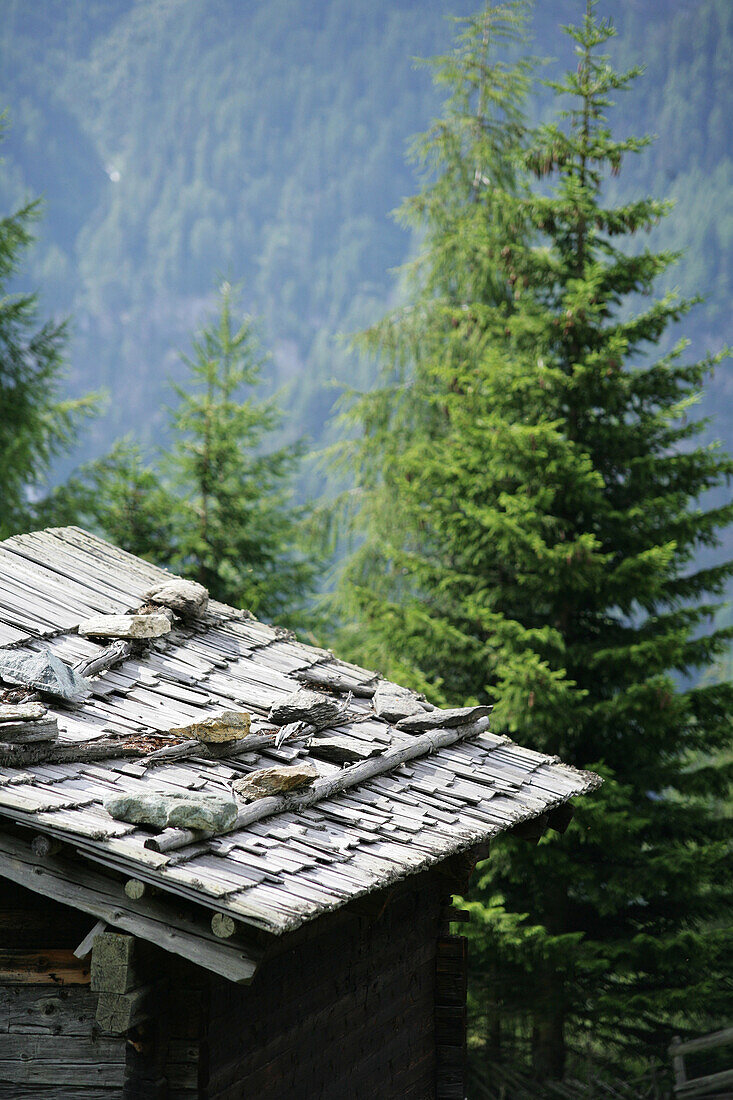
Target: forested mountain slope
[{"x": 179, "y": 140}]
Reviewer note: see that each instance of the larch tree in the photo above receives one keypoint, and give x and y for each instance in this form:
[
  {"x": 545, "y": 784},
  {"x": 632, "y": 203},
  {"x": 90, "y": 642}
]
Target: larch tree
[{"x": 533, "y": 488}]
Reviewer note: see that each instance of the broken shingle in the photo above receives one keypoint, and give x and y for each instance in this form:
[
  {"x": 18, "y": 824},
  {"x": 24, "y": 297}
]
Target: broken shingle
[
  {"x": 442, "y": 719},
  {"x": 125, "y": 626}
]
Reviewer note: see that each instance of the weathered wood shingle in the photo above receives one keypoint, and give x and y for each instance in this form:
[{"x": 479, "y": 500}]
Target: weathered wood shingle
[{"x": 276, "y": 871}]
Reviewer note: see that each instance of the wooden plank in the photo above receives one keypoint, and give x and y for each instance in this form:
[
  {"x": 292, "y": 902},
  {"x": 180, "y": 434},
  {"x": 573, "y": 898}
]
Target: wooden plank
[
  {"x": 60, "y": 1069},
  {"x": 54, "y": 967},
  {"x": 704, "y": 1086},
  {"x": 705, "y": 1042},
  {"x": 105, "y": 899},
  {"x": 87, "y": 943},
  {"x": 44, "y": 1010}
]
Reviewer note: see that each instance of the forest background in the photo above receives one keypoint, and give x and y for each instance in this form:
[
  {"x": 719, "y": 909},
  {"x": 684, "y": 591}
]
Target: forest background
[{"x": 178, "y": 142}]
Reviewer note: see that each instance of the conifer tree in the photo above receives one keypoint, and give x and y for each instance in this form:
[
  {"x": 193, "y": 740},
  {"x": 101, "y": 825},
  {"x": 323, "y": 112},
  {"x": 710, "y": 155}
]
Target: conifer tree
[
  {"x": 35, "y": 425},
  {"x": 122, "y": 496},
  {"x": 216, "y": 505},
  {"x": 236, "y": 531},
  {"x": 467, "y": 161},
  {"x": 531, "y": 540}
]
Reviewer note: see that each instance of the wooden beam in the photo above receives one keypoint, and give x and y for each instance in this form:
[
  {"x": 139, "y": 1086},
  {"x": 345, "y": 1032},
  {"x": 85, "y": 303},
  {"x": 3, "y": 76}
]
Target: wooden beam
[
  {"x": 113, "y": 963},
  {"x": 135, "y": 889},
  {"x": 532, "y": 831},
  {"x": 420, "y": 745},
  {"x": 56, "y": 967},
  {"x": 118, "y": 1012},
  {"x": 74, "y": 884},
  {"x": 223, "y": 926},
  {"x": 43, "y": 845},
  {"x": 559, "y": 819},
  {"x": 705, "y": 1042},
  {"x": 87, "y": 943},
  {"x": 711, "y": 1085}
]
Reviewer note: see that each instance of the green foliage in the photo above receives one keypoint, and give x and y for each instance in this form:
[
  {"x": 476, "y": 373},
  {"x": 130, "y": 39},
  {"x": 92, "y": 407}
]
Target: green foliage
[
  {"x": 215, "y": 507},
  {"x": 123, "y": 497},
  {"x": 174, "y": 139},
  {"x": 532, "y": 488},
  {"x": 236, "y": 531},
  {"x": 35, "y": 424}
]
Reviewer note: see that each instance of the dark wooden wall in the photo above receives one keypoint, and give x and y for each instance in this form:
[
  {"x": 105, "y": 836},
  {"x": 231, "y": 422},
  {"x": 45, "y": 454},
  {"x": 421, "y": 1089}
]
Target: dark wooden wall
[
  {"x": 348, "y": 1014},
  {"x": 50, "y": 1047}
]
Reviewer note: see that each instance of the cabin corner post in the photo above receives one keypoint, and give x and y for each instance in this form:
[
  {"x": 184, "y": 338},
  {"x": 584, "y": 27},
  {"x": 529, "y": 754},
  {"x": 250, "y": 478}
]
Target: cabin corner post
[
  {"x": 451, "y": 977},
  {"x": 450, "y": 1008}
]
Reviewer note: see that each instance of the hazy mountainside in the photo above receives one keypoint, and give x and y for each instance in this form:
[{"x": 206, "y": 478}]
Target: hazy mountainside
[{"x": 179, "y": 140}]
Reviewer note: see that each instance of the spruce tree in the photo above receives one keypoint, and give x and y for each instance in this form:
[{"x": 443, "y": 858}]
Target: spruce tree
[
  {"x": 122, "y": 496},
  {"x": 35, "y": 424},
  {"x": 236, "y": 530},
  {"x": 532, "y": 534},
  {"x": 394, "y": 613}
]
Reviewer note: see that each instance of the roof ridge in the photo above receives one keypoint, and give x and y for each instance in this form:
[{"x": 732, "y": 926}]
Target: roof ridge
[{"x": 420, "y": 746}]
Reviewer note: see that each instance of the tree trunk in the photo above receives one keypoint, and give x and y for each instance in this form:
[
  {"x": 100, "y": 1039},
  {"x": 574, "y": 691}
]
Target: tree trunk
[{"x": 548, "y": 1034}]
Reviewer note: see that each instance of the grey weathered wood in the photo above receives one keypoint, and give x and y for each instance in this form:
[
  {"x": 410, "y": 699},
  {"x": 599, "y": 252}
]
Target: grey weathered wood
[
  {"x": 113, "y": 969},
  {"x": 135, "y": 889},
  {"x": 223, "y": 926},
  {"x": 678, "y": 1062},
  {"x": 87, "y": 943},
  {"x": 103, "y": 748},
  {"x": 110, "y": 656},
  {"x": 45, "y": 1060},
  {"x": 169, "y": 753},
  {"x": 47, "y": 1010},
  {"x": 104, "y": 898},
  {"x": 118, "y": 1012},
  {"x": 21, "y": 733},
  {"x": 171, "y": 839},
  {"x": 705, "y": 1042},
  {"x": 710, "y": 1085},
  {"x": 337, "y": 681}
]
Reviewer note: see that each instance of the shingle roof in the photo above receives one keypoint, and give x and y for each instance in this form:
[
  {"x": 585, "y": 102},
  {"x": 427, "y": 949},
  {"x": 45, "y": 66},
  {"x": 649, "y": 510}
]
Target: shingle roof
[{"x": 464, "y": 785}]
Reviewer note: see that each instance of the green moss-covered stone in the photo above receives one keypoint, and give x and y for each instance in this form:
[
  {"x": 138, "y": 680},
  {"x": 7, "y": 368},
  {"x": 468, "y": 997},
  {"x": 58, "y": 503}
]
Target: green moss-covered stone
[{"x": 187, "y": 810}]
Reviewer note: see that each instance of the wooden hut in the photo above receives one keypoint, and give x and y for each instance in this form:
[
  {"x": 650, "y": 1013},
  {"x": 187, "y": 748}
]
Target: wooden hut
[{"x": 227, "y": 858}]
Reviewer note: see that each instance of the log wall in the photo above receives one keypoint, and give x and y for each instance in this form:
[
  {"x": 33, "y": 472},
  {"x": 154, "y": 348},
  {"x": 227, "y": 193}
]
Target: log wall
[
  {"x": 50, "y": 1047},
  {"x": 348, "y": 1013}
]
